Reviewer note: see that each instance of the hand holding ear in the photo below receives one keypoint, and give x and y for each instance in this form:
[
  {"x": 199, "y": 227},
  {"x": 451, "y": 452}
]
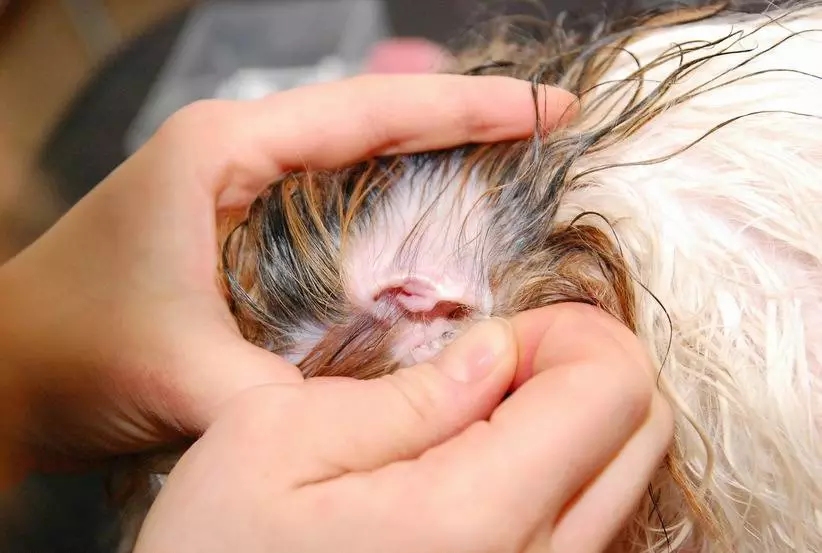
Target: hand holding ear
[
  {"x": 114, "y": 335},
  {"x": 427, "y": 460}
]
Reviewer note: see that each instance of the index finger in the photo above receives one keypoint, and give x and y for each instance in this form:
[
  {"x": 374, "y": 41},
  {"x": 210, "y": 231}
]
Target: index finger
[
  {"x": 592, "y": 389},
  {"x": 249, "y": 144}
]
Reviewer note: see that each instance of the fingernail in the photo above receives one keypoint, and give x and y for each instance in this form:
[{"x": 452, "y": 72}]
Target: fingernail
[{"x": 478, "y": 352}]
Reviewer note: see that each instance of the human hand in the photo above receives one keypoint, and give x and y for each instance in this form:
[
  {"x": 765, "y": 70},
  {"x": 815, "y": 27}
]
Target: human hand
[
  {"x": 425, "y": 459},
  {"x": 114, "y": 334}
]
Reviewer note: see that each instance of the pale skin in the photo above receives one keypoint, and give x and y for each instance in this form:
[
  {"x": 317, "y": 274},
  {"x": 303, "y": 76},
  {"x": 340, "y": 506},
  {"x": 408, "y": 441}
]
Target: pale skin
[{"x": 115, "y": 338}]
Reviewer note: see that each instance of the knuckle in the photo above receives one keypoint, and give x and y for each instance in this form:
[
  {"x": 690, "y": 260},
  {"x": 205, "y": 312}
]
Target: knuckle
[
  {"x": 377, "y": 124},
  {"x": 629, "y": 377},
  {"x": 618, "y": 389},
  {"x": 473, "y": 114},
  {"x": 471, "y": 121}
]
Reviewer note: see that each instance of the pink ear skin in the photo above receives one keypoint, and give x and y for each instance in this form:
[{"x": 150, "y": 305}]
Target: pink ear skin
[
  {"x": 406, "y": 55},
  {"x": 432, "y": 309},
  {"x": 427, "y": 297}
]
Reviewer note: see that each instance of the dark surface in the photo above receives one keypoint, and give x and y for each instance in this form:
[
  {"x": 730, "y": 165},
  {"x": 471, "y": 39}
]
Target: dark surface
[
  {"x": 69, "y": 514},
  {"x": 88, "y": 142},
  {"x": 60, "y": 514}
]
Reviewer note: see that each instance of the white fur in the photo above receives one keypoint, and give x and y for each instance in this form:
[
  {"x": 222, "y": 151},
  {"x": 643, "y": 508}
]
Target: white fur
[{"x": 728, "y": 236}]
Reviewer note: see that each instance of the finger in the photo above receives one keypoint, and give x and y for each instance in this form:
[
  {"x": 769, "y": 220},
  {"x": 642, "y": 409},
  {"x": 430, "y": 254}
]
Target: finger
[
  {"x": 231, "y": 367},
  {"x": 532, "y": 326},
  {"x": 612, "y": 497},
  {"x": 241, "y": 147},
  {"x": 338, "y": 426},
  {"x": 589, "y": 394}
]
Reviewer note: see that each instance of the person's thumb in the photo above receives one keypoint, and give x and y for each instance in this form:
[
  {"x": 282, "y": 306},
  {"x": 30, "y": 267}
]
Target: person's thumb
[{"x": 331, "y": 426}]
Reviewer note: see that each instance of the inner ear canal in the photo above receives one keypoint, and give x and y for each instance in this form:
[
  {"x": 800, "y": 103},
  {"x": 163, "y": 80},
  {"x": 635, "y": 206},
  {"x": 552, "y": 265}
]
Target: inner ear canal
[{"x": 421, "y": 299}]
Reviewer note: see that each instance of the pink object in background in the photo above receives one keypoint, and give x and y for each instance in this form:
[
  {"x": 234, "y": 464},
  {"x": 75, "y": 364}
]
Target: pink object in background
[{"x": 406, "y": 55}]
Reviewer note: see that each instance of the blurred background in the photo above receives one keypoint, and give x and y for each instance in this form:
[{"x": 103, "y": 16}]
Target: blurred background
[{"x": 84, "y": 82}]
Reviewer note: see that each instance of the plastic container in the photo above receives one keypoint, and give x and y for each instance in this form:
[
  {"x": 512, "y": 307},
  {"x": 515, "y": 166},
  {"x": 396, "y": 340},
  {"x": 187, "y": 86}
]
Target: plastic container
[{"x": 247, "y": 49}]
